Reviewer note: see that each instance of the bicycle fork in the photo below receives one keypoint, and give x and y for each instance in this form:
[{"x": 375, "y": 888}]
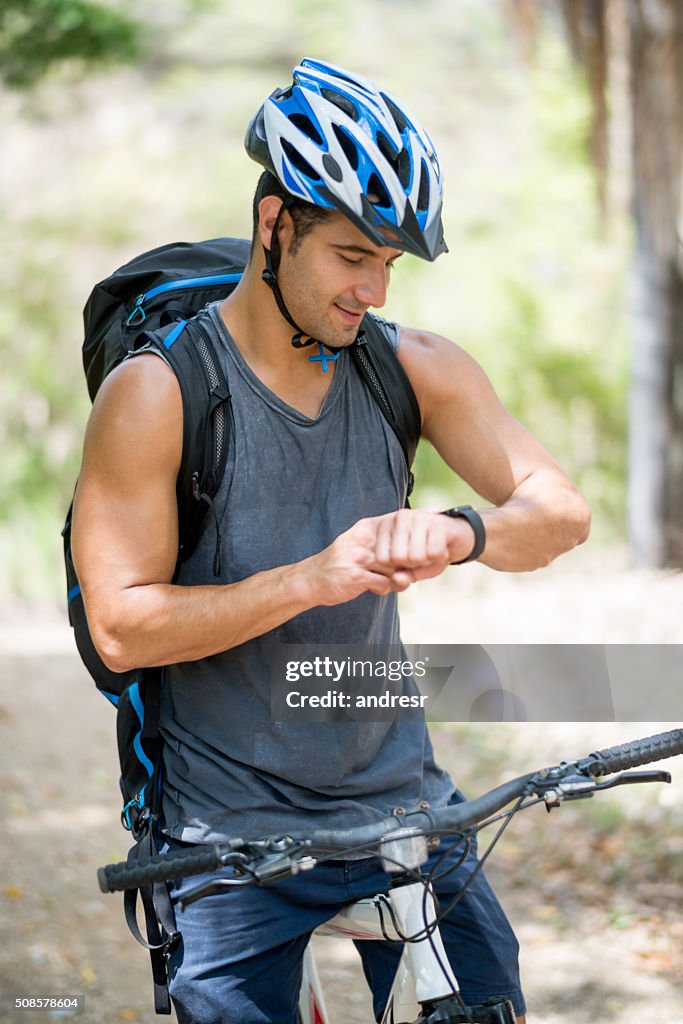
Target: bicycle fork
[{"x": 425, "y": 982}]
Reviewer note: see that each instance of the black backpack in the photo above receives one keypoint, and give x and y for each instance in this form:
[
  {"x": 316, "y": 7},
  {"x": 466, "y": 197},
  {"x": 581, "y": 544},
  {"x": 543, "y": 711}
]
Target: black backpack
[{"x": 152, "y": 302}]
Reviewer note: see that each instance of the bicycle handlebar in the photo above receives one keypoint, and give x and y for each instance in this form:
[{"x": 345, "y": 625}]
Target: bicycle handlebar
[{"x": 209, "y": 857}]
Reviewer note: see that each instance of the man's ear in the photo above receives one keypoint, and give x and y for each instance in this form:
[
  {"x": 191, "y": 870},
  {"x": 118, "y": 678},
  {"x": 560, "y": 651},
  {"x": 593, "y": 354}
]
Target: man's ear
[{"x": 268, "y": 210}]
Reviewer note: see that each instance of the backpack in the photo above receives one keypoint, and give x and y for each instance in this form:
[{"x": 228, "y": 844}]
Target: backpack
[{"x": 151, "y": 302}]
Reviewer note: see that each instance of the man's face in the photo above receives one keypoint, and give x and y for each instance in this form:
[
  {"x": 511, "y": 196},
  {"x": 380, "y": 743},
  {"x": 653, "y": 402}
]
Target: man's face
[{"x": 332, "y": 278}]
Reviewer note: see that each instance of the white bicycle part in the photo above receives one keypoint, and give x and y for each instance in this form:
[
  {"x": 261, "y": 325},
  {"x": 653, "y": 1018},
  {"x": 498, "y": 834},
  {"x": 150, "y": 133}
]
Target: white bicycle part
[{"x": 423, "y": 973}]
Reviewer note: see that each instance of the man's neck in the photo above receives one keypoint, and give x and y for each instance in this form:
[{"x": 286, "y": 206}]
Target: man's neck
[{"x": 264, "y": 339}]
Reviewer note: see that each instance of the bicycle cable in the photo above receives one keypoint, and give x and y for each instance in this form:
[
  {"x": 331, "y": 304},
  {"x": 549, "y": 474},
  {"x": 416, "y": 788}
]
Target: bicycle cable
[
  {"x": 507, "y": 817},
  {"x": 467, "y": 841},
  {"x": 382, "y": 905},
  {"x": 429, "y": 928},
  {"x": 442, "y": 914}
]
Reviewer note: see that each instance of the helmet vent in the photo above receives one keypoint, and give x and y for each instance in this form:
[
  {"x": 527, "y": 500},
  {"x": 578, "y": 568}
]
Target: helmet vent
[
  {"x": 400, "y": 162},
  {"x": 397, "y": 114},
  {"x": 385, "y": 147},
  {"x": 377, "y": 193},
  {"x": 298, "y": 161},
  {"x": 402, "y": 168},
  {"x": 423, "y": 194},
  {"x": 341, "y": 101},
  {"x": 305, "y": 125},
  {"x": 347, "y": 144}
]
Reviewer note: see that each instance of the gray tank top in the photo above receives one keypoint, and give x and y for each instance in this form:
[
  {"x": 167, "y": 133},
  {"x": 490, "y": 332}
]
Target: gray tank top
[{"x": 292, "y": 484}]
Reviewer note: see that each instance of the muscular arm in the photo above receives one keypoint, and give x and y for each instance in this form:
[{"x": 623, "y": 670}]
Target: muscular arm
[
  {"x": 125, "y": 541},
  {"x": 538, "y": 512}
]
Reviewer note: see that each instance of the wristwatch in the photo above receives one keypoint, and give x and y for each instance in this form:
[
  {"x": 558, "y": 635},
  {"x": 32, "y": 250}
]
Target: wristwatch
[{"x": 475, "y": 521}]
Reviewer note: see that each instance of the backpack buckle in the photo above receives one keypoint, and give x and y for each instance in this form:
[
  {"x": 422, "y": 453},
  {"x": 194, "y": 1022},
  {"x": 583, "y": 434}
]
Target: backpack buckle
[{"x": 135, "y": 819}]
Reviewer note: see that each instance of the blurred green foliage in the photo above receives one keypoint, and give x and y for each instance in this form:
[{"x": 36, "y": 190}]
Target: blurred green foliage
[
  {"x": 101, "y": 167},
  {"x": 36, "y": 34}
]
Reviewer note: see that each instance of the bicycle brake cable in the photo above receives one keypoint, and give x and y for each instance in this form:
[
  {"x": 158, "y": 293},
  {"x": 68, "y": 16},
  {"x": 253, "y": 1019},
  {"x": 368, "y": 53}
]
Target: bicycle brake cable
[
  {"x": 442, "y": 914},
  {"x": 507, "y": 817},
  {"x": 467, "y": 843}
]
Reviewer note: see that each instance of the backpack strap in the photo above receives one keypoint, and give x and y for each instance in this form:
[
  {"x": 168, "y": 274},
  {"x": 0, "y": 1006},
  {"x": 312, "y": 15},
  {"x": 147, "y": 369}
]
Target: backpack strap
[
  {"x": 188, "y": 349},
  {"x": 160, "y": 925},
  {"x": 389, "y": 385},
  {"x": 162, "y": 934}
]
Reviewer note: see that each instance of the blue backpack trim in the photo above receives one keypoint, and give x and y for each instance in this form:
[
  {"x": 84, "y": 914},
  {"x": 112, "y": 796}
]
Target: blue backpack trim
[
  {"x": 175, "y": 334},
  {"x": 138, "y": 314}
]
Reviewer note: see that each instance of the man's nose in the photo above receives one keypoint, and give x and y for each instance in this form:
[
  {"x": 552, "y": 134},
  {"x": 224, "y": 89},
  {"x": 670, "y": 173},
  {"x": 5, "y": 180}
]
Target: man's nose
[{"x": 372, "y": 290}]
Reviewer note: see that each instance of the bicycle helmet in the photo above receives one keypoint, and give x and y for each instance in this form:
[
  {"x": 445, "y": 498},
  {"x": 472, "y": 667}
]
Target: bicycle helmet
[{"x": 336, "y": 140}]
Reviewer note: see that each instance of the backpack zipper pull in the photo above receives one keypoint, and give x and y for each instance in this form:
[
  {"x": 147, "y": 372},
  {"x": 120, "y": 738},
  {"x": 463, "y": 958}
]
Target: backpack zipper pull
[
  {"x": 137, "y": 316},
  {"x": 200, "y": 495}
]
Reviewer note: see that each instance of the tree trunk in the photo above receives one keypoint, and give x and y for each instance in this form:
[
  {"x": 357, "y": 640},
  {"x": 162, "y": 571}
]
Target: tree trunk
[
  {"x": 655, "y": 489},
  {"x": 674, "y": 493},
  {"x": 650, "y": 420}
]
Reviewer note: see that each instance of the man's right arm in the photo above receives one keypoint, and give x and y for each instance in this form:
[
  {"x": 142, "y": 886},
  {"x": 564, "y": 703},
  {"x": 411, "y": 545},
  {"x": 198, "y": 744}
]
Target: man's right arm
[{"x": 125, "y": 541}]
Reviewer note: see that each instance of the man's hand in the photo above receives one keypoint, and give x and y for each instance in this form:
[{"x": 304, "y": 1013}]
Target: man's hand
[
  {"x": 421, "y": 542},
  {"x": 387, "y": 554}
]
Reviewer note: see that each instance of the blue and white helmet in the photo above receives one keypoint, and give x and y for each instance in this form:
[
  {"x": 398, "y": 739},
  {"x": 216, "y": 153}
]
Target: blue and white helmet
[{"x": 336, "y": 140}]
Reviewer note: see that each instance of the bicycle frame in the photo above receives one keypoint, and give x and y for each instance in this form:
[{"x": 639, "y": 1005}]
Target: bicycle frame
[{"x": 423, "y": 973}]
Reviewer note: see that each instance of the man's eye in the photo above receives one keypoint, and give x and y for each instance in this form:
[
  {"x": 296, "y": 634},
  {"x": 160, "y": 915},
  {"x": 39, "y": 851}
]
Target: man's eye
[{"x": 347, "y": 260}]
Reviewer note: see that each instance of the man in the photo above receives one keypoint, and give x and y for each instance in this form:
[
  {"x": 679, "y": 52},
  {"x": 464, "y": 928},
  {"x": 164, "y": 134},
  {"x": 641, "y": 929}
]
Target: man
[{"x": 316, "y": 542}]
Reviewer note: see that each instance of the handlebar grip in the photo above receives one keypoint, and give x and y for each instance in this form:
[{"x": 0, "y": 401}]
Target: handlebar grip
[
  {"x": 161, "y": 867},
  {"x": 635, "y": 753}
]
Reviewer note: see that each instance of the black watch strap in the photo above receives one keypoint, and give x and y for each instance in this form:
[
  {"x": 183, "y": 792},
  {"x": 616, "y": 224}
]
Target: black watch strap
[{"x": 476, "y": 522}]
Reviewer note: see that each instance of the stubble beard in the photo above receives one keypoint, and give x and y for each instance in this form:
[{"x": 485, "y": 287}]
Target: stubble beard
[
  {"x": 335, "y": 337},
  {"x": 305, "y": 305}
]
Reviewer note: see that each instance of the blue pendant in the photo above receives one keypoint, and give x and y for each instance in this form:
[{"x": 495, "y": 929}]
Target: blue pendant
[{"x": 323, "y": 358}]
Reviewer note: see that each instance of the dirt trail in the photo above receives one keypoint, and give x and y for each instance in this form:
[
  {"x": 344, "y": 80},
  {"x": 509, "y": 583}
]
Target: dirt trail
[{"x": 59, "y": 935}]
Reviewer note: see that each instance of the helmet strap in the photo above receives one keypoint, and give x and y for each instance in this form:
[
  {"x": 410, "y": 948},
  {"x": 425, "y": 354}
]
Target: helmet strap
[{"x": 269, "y": 275}]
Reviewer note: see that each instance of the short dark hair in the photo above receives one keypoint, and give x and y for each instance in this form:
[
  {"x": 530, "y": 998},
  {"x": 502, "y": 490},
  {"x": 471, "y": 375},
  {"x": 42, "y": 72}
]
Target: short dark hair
[{"x": 304, "y": 215}]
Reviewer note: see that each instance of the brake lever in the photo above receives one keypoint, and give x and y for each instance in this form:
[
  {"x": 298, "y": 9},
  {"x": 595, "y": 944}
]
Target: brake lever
[
  {"x": 271, "y": 869},
  {"x": 216, "y": 885},
  {"x": 282, "y": 867},
  {"x": 579, "y": 786},
  {"x": 633, "y": 778}
]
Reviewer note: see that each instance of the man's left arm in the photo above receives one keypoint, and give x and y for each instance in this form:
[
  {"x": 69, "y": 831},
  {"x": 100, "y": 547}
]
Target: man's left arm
[{"x": 538, "y": 513}]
